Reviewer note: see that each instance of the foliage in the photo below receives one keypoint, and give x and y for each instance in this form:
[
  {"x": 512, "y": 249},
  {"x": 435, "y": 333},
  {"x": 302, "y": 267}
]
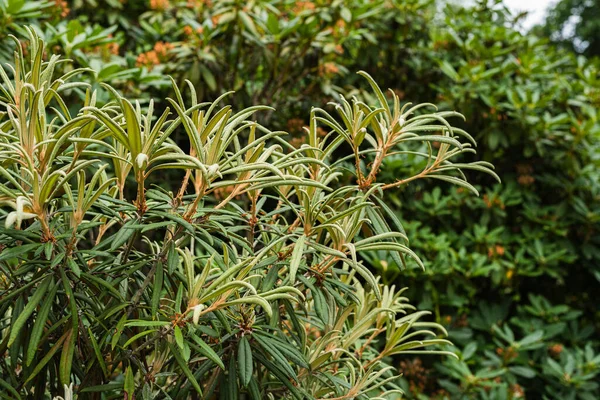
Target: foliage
[
  {"x": 14, "y": 14},
  {"x": 574, "y": 24},
  {"x": 522, "y": 259},
  {"x": 243, "y": 280},
  {"x": 289, "y": 54}
]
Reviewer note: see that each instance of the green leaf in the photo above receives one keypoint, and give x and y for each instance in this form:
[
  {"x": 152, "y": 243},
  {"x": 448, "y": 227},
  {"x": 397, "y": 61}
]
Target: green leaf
[
  {"x": 449, "y": 70},
  {"x": 456, "y": 181},
  {"x": 208, "y": 352},
  {"x": 137, "y": 336},
  {"x": 15, "y": 252},
  {"x": 178, "y": 336},
  {"x": 259, "y": 301},
  {"x": 380, "y": 96},
  {"x": 296, "y": 258},
  {"x": 28, "y": 310},
  {"x": 8, "y": 387},
  {"x": 157, "y": 289},
  {"x": 38, "y": 326},
  {"x": 119, "y": 238},
  {"x": 129, "y": 385},
  {"x": 271, "y": 347},
  {"x": 42, "y": 363},
  {"x": 66, "y": 357},
  {"x": 244, "y": 361},
  {"x": 134, "y": 134},
  {"x": 208, "y": 77},
  {"x": 281, "y": 376},
  {"x": 116, "y": 335},
  {"x": 232, "y": 382},
  {"x": 97, "y": 352},
  {"x": 172, "y": 259},
  {"x": 525, "y": 372},
  {"x": 253, "y": 390},
  {"x": 321, "y": 307},
  {"x": 186, "y": 370},
  {"x": 118, "y": 132},
  {"x": 102, "y": 283},
  {"x": 248, "y": 23},
  {"x": 346, "y": 14},
  {"x": 103, "y": 388},
  {"x": 144, "y": 323}
]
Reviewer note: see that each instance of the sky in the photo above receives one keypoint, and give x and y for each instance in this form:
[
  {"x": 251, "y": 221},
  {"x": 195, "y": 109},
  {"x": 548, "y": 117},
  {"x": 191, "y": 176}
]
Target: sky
[{"x": 536, "y": 8}]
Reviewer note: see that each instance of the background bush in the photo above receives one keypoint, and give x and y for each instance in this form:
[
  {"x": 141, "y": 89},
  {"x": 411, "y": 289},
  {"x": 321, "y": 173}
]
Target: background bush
[{"x": 512, "y": 273}]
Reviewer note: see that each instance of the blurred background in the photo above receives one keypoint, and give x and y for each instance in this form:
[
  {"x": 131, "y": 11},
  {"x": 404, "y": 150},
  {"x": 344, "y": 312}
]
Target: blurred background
[{"x": 514, "y": 274}]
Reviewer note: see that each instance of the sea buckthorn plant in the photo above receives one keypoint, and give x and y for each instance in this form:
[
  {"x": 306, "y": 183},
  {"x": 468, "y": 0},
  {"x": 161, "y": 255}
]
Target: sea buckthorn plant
[{"x": 225, "y": 264}]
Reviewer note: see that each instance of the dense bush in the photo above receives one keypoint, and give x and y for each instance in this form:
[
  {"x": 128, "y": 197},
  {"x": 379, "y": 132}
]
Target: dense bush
[
  {"x": 512, "y": 273},
  {"x": 242, "y": 280},
  {"x": 515, "y": 279},
  {"x": 288, "y": 54},
  {"x": 574, "y": 24}
]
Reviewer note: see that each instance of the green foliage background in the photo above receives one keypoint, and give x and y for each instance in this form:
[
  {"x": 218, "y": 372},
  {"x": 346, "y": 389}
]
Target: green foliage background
[
  {"x": 574, "y": 24},
  {"x": 513, "y": 274}
]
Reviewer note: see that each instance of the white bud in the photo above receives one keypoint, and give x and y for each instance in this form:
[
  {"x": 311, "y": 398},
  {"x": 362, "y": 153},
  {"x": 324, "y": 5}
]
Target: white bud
[
  {"x": 384, "y": 129},
  {"x": 402, "y": 121},
  {"x": 197, "y": 310},
  {"x": 213, "y": 170},
  {"x": 11, "y": 218},
  {"x": 141, "y": 160},
  {"x": 68, "y": 393},
  {"x": 16, "y": 217},
  {"x": 21, "y": 202}
]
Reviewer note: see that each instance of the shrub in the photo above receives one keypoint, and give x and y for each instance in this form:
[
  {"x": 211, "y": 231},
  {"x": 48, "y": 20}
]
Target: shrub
[
  {"x": 287, "y": 54},
  {"x": 234, "y": 274},
  {"x": 521, "y": 262}
]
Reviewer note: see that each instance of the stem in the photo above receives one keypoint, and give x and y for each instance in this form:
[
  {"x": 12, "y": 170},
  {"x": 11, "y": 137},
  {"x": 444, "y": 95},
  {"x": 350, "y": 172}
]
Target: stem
[
  {"x": 422, "y": 174},
  {"x": 141, "y": 195}
]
